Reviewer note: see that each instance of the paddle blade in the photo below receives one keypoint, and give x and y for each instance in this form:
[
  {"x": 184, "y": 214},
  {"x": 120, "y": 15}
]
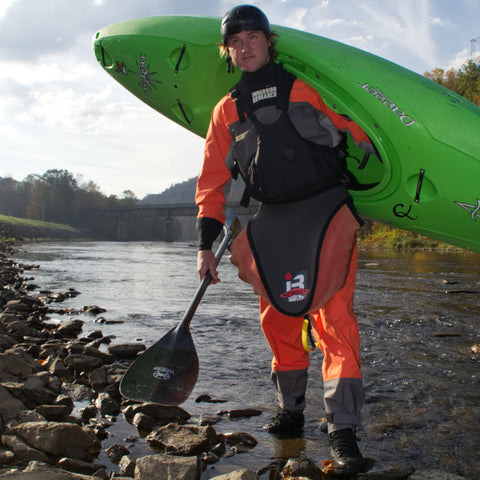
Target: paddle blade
[{"x": 165, "y": 373}]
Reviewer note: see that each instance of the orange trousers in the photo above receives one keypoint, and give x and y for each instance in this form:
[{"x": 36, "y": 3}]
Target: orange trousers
[{"x": 335, "y": 328}]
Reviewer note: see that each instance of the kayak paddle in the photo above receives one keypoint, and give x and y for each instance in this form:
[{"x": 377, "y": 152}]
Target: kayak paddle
[{"x": 167, "y": 371}]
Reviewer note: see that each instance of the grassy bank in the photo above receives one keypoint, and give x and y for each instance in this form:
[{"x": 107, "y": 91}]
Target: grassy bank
[
  {"x": 13, "y": 230},
  {"x": 379, "y": 236}
]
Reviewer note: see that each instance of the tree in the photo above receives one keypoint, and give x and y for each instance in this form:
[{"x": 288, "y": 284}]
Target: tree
[{"x": 465, "y": 81}]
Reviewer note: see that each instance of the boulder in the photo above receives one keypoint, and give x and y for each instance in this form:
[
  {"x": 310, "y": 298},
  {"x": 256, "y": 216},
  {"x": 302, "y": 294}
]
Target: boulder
[
  {"x": 126, "y": 350},
  {"x": 82, "y": 363},
  {"x": 40, "y": 471},
  {"x": 10, "y": 406},
  {"x": 116, "y": 451},
  {"x": 70, "y": 329},
  {"x": 162, "y": 414},
  {"x": 59, "y": 439},
  {"x": 166, "y": 467},
  {"x": 106, "y": 404},
  {"x": 184, "y": 440},
  {"x": 18, "y": 363},
  {"x": 22, "y": 451},
  {"x": 242, "y": 474}
]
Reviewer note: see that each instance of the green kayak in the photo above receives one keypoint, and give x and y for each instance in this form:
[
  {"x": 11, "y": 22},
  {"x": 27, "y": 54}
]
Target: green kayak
[{"x": 426, "y": 176}]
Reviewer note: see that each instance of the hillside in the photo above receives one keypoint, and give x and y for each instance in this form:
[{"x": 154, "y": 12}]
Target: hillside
[{"x": 180, "y": 193}]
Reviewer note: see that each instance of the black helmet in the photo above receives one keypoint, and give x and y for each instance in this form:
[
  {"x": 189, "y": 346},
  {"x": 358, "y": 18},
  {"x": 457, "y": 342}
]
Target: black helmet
[{"x": 242, "y": 18}]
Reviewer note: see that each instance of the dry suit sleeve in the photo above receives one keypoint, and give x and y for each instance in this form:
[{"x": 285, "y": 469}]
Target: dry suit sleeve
[{"x": 214, "y": 174}]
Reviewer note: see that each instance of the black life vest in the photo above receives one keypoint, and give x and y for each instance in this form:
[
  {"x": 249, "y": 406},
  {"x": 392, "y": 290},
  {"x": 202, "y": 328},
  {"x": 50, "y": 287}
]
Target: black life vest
[{"x": 286, "y": 167}]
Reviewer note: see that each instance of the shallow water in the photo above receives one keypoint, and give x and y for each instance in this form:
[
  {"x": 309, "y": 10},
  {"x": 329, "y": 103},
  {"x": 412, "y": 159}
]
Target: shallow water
[{"x": 419, "y": 316}]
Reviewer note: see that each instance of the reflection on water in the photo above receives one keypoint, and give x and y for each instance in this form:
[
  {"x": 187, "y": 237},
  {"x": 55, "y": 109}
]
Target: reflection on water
[{"x": 419, "y": 316}]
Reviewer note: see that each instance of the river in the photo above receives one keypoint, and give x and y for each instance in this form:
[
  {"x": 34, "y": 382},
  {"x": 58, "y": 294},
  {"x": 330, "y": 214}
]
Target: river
[{"x": 419, "y": 316}]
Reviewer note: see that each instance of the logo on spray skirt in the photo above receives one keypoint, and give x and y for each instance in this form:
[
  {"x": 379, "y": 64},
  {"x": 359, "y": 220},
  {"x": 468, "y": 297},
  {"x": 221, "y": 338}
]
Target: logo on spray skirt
[{"x": 295, "y": 287}]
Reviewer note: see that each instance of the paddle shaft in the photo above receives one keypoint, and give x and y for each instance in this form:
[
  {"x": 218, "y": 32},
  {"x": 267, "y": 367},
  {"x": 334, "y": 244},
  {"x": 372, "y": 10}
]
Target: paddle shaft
[{"x": 187, "y": 317}]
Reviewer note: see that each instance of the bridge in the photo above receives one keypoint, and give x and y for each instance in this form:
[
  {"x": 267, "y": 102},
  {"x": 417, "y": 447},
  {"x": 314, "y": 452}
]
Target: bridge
[
  {"x": 165, "y": 222},
  {"x": 166, "y": 210}
]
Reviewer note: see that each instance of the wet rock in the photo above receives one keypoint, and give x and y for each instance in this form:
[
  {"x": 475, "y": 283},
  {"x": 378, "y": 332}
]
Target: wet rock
[
  {"x": 23, "y": 453},
  {"x": 10, "y": 406},
  {"x": 239, "y": 438},
  {"x": 246, "y": 412},
  {"x": 116, "y": 452},
  {"x": 29, "y": 416},
  {"x": 160, "y": 413},
  {"x": 88, "y": 412},
  {"x": 18, "y": 363},
  {"x": 205, "y": 397},
  {"x": 82, "y": 363},
  {"x": 301, "y": 467},
  {"x": 206, "y": 419},
  {"x": 144, "y": 422},
  {"x": 126, "y": 350},
  {"x": 242, "y": 474},
  {"x": 93, "y": 309},
  {"x": 60, "y": 439},
  {"x": 127, "y": 466},
  {"x": 434, "y": 475},
  {"x": 70, "y": 329},
  {"x": 98, "y": 378},
  {"x": 399, "y": 472},
  {"x": 42, "y": 471},
  {"x": 54, "y": 413},
  {"x": 106, "y": 404},
  {"x": 166, "y": 467},
  {"x": 6, "y": 456},
  {"x": 183, "y": 440},
  {"x": 79, "y": 466}
]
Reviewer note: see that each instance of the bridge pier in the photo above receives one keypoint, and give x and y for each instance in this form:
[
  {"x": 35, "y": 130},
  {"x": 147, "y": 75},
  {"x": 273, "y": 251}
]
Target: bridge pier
[{"x": 122, "y": 230}]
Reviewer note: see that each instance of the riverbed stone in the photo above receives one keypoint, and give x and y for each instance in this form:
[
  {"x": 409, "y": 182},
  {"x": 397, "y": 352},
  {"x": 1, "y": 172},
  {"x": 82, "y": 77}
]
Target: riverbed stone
[
  {"x": 23, "y": 453},
  {"x": 126, "y": 350},
  {"x": 116, "y": 451},
  {"x": 10, "y": 406},
  {"x": 127, "y": 465},
  {"x": 106, "y": 404},
  {"x": 434, "y": 475},
  {"x": 144, "y": 422},
  {"x": 162, "y": 414},
  {"x": 18, "y": 363},
  {"x": 53, "y": 412},
  {"x": 183, "y": 440},
  {"x": 167, "y": 467},
  {"x": 60, "y": 439},
  {"x": 70, "y": 329},
  {"x": 36, "y": 470},
  {"x": 79, "y": 466},
  {"x": 82, "y": 363},
  {"x": 241, "y": 474}
]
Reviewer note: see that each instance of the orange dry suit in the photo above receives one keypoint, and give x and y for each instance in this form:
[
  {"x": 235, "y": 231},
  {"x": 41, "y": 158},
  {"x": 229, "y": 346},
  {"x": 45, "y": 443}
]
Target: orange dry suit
[{"x": 325, "y": 223}]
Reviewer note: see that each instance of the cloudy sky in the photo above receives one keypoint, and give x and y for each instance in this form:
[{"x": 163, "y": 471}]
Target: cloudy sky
[{"x": 60, "y": 110}]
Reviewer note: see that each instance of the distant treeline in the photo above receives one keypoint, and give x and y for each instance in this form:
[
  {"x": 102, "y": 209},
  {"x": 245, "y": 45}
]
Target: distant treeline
[{"x": 56, "y": 196}]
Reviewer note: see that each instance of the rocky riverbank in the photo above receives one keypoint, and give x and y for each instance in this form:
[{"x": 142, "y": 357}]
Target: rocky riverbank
[{"x": 48, "y": 370}]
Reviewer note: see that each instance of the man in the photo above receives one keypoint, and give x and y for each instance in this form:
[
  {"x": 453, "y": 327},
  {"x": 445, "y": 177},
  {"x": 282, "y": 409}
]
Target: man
[{"x": 277, "y": 134}]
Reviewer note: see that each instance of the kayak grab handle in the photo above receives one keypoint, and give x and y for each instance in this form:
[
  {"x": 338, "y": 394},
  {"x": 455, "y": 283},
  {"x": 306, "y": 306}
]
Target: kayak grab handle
[
  {"x": 419, "y": 184},
  {"x": 179, "y": 61}
]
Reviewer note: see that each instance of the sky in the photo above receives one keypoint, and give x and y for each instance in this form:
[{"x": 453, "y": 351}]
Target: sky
[{"x": 60, "y": 110}]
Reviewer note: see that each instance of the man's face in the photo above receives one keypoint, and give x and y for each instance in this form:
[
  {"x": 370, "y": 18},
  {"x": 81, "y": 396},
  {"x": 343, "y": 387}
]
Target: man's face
[{"x": 249, "y": 50}]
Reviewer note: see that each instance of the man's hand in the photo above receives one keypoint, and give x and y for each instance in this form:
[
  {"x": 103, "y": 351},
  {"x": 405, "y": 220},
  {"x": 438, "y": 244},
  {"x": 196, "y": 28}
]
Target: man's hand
[{"x": 206, "y": 263}]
